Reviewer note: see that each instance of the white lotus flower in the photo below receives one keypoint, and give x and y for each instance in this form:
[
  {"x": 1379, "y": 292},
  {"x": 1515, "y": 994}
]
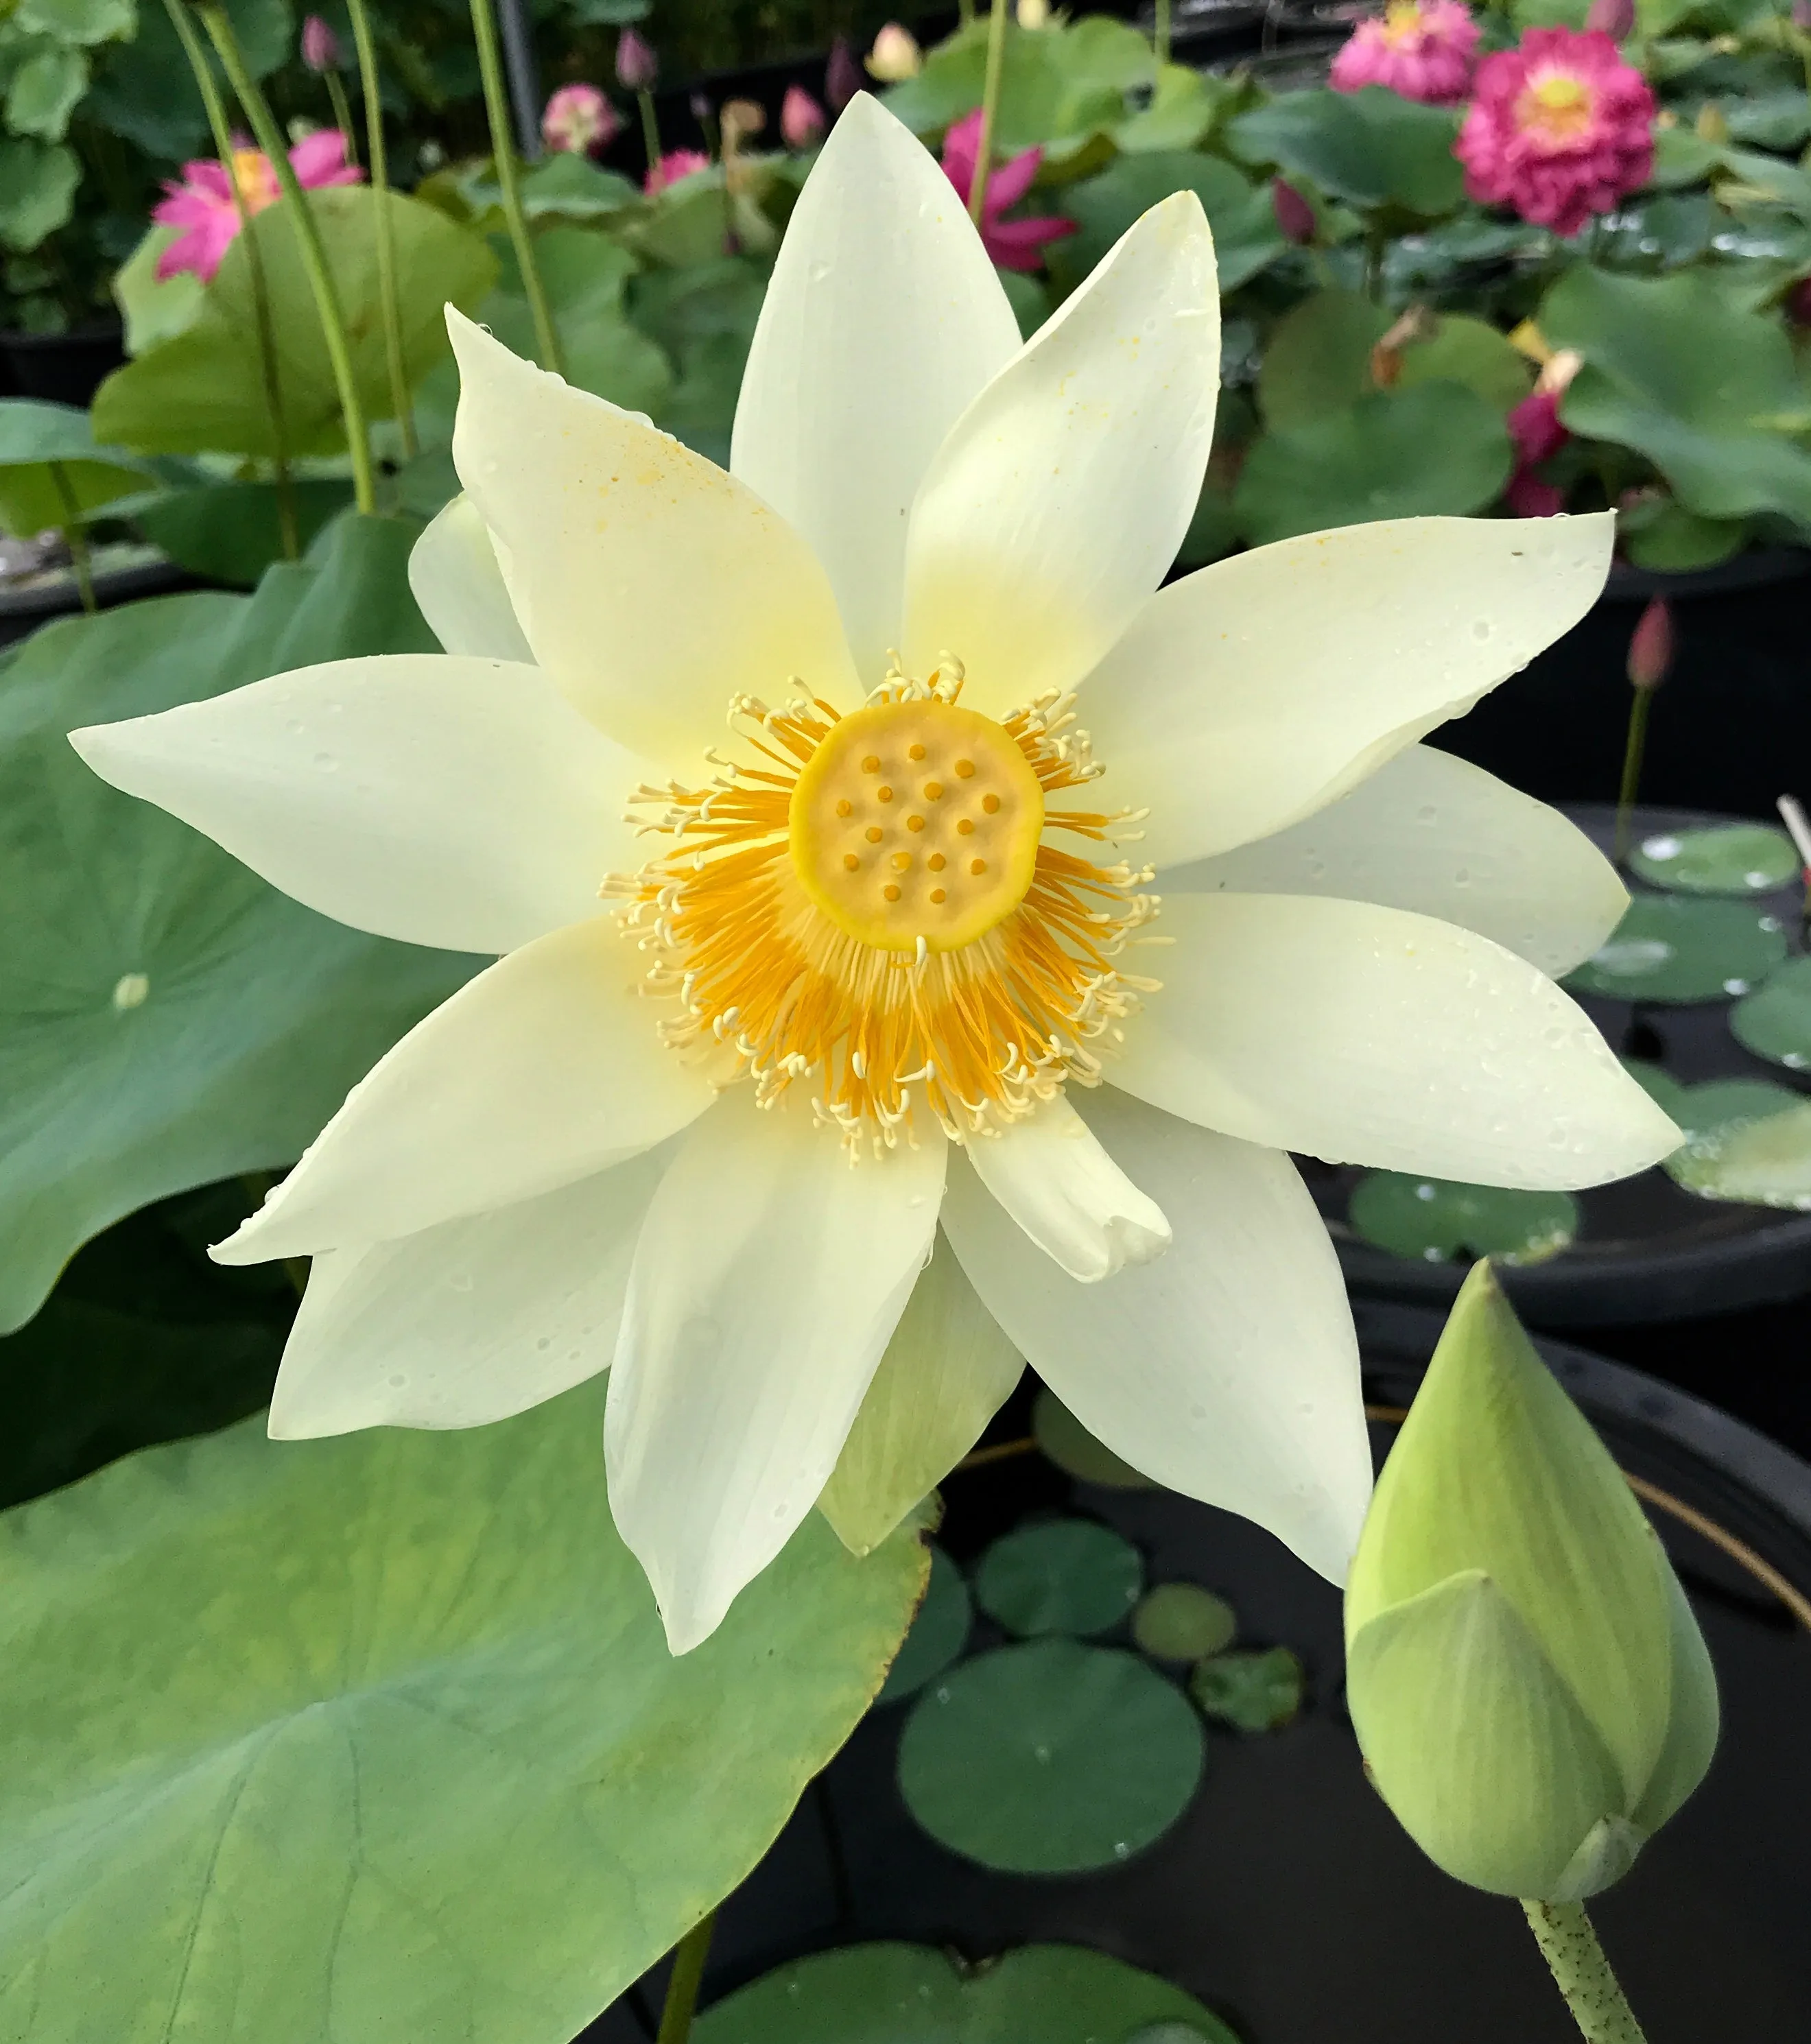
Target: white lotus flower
[{"x": 888, "y": 961}]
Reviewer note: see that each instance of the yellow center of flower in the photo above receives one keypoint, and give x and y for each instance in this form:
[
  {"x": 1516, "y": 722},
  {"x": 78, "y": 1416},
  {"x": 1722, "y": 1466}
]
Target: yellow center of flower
[
  {"x": 1556, "y": 108},
  {"x": 916, "y": 819},
  {"x": 255, "y": 180},
  {"x": 1402, "y": 18},
  {"x": 871, "y": 913}
]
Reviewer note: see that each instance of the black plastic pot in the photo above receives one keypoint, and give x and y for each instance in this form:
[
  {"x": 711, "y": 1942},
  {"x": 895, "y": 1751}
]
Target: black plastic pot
[
  {"x": 65, "y": 368},
  {"x": 23, "y": 610},
  {"x": 1286, "y": 1898}
]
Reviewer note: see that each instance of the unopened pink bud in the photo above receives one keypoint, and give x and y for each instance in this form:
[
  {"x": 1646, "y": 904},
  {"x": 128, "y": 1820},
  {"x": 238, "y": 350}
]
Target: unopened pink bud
[
  {"x": 801, "y": 118},
  {"x": 1614, "y": 18},
  {"x": 842, "y": 75},
  {"x": 320, "y": 46},
  {"x": 1797, "y": 303},
  {"x": 1650, "y": 646},
  {"x": 637, "y": 67},
  {"x": 1294, "y": 216}
]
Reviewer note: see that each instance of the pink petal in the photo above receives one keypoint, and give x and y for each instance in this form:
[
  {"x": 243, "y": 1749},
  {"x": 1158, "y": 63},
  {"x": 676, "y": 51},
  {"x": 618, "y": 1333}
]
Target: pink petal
[
  {"x": 320, "y": 158},
  {"x": 1011, "y": 180}
]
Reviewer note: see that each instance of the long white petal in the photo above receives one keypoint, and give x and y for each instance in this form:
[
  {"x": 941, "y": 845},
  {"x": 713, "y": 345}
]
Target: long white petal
[
  {"x": 456, "y": 581},
  {"x": 1053, "y": 1177},
  {"x": 1257, "y": 690},
  {"x": 883, "y": 318},
  {"x": 767, "y": 1280},
  {"x": 1370, "y": 1036},
  {"x": 1056, "y": 505},
  {"x": 544, "y": 1069},
  {"x": 1228, "y": 1369},
  {"x": 468, "y": 1322},
  {"x": 1439, "y": 836},
  {"x": 462, "y": 803},
  {"x": 652, "y": 586}
]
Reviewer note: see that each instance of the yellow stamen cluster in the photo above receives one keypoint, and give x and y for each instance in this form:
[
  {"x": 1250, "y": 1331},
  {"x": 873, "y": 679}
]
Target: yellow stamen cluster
[
  {"x": 873, "y": 915},
  {"x": 1557, "y": 107}
]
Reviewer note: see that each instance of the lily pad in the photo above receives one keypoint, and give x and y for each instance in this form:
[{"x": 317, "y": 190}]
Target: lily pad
[
  {"x": 41, "y": 443},
  {"x": 1183, "y": 1622},
  {"x": 1253, "y": 1692},
  {"x": 1436, "y": 1220},
  {"x": 1668, "y": 948},
  {"x": 1069, "y": 1444},
  {"x": 1657, "y": 1083},
  {"x": 1050, "y": 1758},
  {"x": 1059, "y": 1575},
  {"x": 939, "y": 1633},
  {"x": 1724, "y": 858},
  {"x": 166, "y": 1018},
  {"x": 1762, "y": 1162},
  {"x": 301, "y": 1736},
  {"x": 909, "y": 1994},
  {"x": 1775, "y": 1022},
  {"x": 1370, "y": 147}
]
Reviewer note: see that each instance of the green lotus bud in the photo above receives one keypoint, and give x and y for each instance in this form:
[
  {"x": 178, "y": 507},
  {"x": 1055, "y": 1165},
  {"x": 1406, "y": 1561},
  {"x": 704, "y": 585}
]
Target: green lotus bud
[{"x": 1530, "y": 1689}]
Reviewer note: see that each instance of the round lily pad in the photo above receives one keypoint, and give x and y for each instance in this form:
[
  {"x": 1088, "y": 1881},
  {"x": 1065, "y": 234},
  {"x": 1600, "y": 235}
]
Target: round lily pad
[
  {"x": 1746, "y": 1140},
  {"x": 1183, "y": 1622},
  {"x": 1059, "y": 1575},
  {"x": 1724, "y": 858},
  {"x": 1669, "y": 947},
  {"x": 1069, "y": 1444},
  {"x": 1437, "y": 1220},
  {"x": 939, "y": 1632},
  {"x": 1775, "y": 1022},
  {"x": 1720, "y": 1104},
  {"x": 1657, "y": 1082},
  {"x": 909, "y": 1994},
  {"x": 1050, "y": 1758},
  {"x": 1255, "y": 1691}
]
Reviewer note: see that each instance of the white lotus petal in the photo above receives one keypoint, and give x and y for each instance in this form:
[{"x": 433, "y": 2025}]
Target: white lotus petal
[
  {"x": 1228, "y": 1369},
  {"x": 766, "y": 1283},
  {"x": 1370, "y": 1036},
  {"x": 1068, "y": 1195},
  {"x": 1057, "y": 503},
  {"x": 1255, "y": 691},
  {"x": 652, "y": 586},
  {"x": 1436, "y": 835},
  {"x": 544, "y": 1069},
  {"x": 883, "y": 318},
  {"x": 462, "y": 803},
  {"x": 467, "y": 1322},
  {"x": 459, "y": 587}
]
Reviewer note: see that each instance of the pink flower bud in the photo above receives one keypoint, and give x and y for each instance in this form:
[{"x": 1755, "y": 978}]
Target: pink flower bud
[
  {"x": 637, "y": 67},
  {"x": 1798, "y": 303},
  {"x": 801, "y": 118},
  {"x": 1802, "y": 14},
  {"x": 320, "y": 46},
  {"x": 1650, "y": 646},
  {"x": 578, "y": 120},
  {"x": 1294, "y": 216},
  {"x": 842, "y": 75},
  {"x": 1614, "y": 18}
]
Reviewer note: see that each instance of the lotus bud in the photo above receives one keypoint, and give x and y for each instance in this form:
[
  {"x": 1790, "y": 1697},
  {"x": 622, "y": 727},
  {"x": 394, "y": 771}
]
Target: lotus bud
[
  {"x": 637, "y": 67},
  {"x": 1650, "y": 645},
  {"x": 1033, "y": 13},
  {"x": 895, "y": 55},
  {"x": 1529, "y": 1687},
  {"x": 1294, "y": 216},
  {"x": 842, "y": 75},
  {"x": 1614, "y": 18},
  {"x": 801, "y": 118},
  {"x": 578, "y": 120},
  {"x": 320, "y": 46},
  {"x": 1798, "y": 301}
]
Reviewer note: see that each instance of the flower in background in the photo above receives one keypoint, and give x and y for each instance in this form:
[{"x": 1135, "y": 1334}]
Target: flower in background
[
  {"x": 1537, "y": 436},
  {"x": 1560, "y": 128},
  {"x": 1614, "y": 18},
  {"x": 203, "y": 203},
  {"x": 842, "y": 75},
  {"x": 637, "y": 66},
  {"x": 676, "y": 163},
  {"x": 1014, "y": 244},
  {"x": 801, "y": 119},
  {"x": 1423, "y": 49},
  {"x": 1294, "y": 216},
  {"x": 578, "y": 120},
  {"x": 1033, "y": 13},
  {"x": 895, "y": 55},
  {"x": 1650, "y": 645},
  {"x": 320, "y": 46}
]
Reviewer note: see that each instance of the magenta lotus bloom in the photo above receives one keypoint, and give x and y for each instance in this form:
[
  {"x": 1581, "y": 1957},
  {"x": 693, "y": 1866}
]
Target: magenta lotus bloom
[
  {"x": 1537, "y": 434},
  {"x": 1013, "y": 244},
  {"x": 578, "y": 120},
  {"x": 1560, "y": 128},
  {"x": 675, "y": 164},
  {"x": 202, "y": 202},
  {"x": 801, "y": 118},
  {"x": 1423, "y": 49}
]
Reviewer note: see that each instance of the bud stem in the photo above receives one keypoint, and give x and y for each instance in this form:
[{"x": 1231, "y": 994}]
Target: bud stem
[
  {"x": 689, "y": 1956},
  {"x": 1160, "y": 35},
  {"x": 650, "y": 136},
  {"x": 1633, "y": 750},
  {"x": 503, "y": 149},
  {"x": 399, "y": 401},
  {"x": 1581, "y": 1974},
  {"x": 343, "y": 115},
  {"x": 989, "y": 106}
]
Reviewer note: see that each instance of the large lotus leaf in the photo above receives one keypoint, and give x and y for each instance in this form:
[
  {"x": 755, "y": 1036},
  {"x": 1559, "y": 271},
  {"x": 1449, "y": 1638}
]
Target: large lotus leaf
[
  {"x": 44, "y": 91},
  {"x": 1708, "y": 393},
  {"x": 1436, "y": 450},
  {"x": 1471, "y": 351},
  {"x": 1245, "y": 233},
  {"x": 203, "y": 389},
  {"x": 77, "y": 22},
  {"x": 39, "y": 440},
  {"x": 585, "y": 275},
  {"x": 231, "y": 531},
  {"x": 1370, "y": 147},
  {"x": 378, "y": 1736},
  {"x": 38, "y": 190},
  {"x": 145, "y": 90},
  {"x": 166, "y": 1019},
  {"x": 153, "y": 307},
  {"x": 1318, "y": 360}
]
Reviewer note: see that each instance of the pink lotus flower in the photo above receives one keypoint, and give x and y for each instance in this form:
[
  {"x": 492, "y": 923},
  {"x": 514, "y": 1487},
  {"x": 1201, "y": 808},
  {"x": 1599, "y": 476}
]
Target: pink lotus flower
[
  {"x": 1423, "y": 49},
  {"x": 578, "y": 120},
  {"x": 202, "y": 202},
  {"x": 1560, "y": 128},
  {"x": 675, "y": 164},
  {"x": 1013, "y": 244},
  {"x": 1537, "y": 435},
  {"x": 801, "y": 118}
]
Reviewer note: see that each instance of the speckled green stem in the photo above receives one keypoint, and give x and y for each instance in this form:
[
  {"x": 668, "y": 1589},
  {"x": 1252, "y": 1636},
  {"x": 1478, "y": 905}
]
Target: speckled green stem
[
  {"x": 989, "y": 107},
  {"x": 1633, "y": 747},
  {"x": 1581, "y": 1974},
  {"x": 503, "y": 148}
]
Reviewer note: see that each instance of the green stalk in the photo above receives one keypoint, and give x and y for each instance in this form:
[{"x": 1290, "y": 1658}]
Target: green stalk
[
  {"x": 503, "y": 145},
  {"x": 386, "y": 241},
  {"x": 1580, "y": 1971},
  {"x": 288, "y": 527},
  {"x": 308, "y": 238},
  {"x": 965, "y": 12},
  {"x": 689, "y": 1956},
  {"x": 343, "y": 115},
  {"x": 75, "y": 537},
  {"x": 989, "y": 106},
  {"x": 650, "y": 138},
  {"x": 1161, "y": 39},
  {"x": 1632, "y": 751}
]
